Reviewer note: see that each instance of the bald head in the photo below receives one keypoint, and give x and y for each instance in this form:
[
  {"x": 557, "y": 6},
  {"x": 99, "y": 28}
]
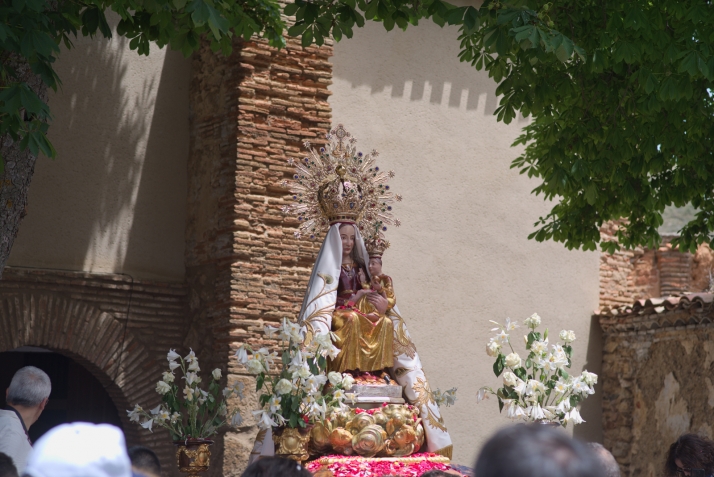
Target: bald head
[{"x": 607, "y": 460}]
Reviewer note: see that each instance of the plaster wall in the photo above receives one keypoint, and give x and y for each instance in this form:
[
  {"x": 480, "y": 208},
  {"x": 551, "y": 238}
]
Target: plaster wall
[
  {"x": 114, "y": 200},
  {"x": 461, "y": 256}
]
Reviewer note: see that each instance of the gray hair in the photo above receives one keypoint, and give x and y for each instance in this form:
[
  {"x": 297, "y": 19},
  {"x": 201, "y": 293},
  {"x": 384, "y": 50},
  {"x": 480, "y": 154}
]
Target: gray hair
[
  {"x": 607, "y": 460},
  {"x": 29, "y": 387}
]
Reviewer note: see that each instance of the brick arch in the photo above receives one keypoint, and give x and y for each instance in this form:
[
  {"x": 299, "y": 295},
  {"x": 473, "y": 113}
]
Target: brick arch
[{"x": 92, "y": 337}]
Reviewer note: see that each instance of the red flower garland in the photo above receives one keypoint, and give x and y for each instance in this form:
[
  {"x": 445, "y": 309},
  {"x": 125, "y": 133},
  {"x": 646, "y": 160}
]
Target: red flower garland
[{"x": 375, "y": 467}]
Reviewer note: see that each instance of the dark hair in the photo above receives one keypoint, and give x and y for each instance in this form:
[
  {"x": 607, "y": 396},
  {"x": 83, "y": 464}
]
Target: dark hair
[
  {"x": 695, "y": 452},
  {"x": 435, "y": 473},
  {"x": 7, "y": 467},
  {"x": 535, "y": 451},
  {"x": 275, "y": 467},
  {"x": 607, "y": 460},
  {"x": 144, "y": 459}
]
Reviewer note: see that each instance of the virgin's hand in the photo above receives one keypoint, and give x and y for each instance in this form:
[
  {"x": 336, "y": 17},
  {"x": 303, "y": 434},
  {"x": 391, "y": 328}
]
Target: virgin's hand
[
  {"x": 360, "y": 294},
  {"x": 378, "y": 301}
]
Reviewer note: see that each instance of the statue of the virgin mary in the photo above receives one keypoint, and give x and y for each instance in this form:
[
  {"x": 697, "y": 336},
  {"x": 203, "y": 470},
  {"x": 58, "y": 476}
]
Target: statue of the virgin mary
[{"x": 342, "y": 192}]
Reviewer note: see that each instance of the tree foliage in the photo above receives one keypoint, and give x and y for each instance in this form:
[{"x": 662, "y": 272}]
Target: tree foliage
[
  {"x": 619, "y": 94},
  {"x": 618, "y": 91}
]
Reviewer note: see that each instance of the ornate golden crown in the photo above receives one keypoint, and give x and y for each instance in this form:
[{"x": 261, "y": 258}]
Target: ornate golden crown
[
  {"x": 339, "y": 184},
  {"x": 376, "y": 246}
]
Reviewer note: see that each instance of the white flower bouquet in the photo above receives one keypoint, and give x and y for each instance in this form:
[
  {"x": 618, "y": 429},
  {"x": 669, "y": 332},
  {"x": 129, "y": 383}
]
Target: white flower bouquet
[
  {"x": 538, "y": 388},
  {"x": 296, "y": 394},
  {"x": 191, "y": 412}
]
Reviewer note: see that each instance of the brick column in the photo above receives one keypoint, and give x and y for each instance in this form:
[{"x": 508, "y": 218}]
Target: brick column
[{"x": 250, "y": 112}]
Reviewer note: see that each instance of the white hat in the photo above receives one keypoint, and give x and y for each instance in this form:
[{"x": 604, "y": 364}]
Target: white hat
[{"x": 80, "y": 449}]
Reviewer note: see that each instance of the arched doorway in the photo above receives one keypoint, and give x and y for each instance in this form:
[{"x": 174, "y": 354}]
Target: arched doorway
[{"x": 76, "y": 394}]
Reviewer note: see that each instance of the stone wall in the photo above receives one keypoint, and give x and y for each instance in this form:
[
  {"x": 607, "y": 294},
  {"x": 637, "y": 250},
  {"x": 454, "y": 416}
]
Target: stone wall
[
  {"x": 658, "y": 363},
  {"x": 119, "y": 328},
  {"x": 250, "y": 112}
]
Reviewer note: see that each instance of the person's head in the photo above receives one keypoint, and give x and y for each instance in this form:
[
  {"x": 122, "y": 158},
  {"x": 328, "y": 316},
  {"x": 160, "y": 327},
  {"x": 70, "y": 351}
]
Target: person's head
[
  {"x": 436, "y": 473},
  {"x": 29, "y": 389},
  {"x": 375, "y": 266},
  {"x": 535, "y": 451},
  {"x": 144, "y": 460},
  {"x": 7, "y": 467},
  {"x": 689, "y": 452},
  {"x": 607, "y": 460},
  {"x": 275, "y": 467},
  {"x": 80, "y": 449}
]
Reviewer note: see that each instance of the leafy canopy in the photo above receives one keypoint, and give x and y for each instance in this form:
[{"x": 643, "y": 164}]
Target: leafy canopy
[{"x": 618, "y": 91}]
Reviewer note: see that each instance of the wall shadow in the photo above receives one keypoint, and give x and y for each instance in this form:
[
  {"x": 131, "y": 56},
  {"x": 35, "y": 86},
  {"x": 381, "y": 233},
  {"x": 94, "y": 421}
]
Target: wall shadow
[
  {"x": 161, "y": 200},
  {"x": 591, "y": 409},
  {"x": 84, "y": 205},
  {"x": 420, "y": 64}
]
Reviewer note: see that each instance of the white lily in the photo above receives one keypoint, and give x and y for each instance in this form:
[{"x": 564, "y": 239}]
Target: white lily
[
  {"x": 236, "y": 420},
  {"x": 264, "y": 420},
  {"x": 241, "y": 354},
  {"x": 148, "y": 424},
  {"x": 162, "y": 387},
  {"x": 270, "y": 331},
  {"x": 135, "y": 414}
]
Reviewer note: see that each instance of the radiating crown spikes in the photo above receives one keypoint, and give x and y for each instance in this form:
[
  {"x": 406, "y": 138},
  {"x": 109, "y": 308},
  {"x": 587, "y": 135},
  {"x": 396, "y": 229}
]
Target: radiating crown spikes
[{"x": 338, "y": 184}]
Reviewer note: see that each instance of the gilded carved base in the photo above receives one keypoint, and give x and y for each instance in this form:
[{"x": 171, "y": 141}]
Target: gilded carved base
[
  {"x": 393, "y": 430},
  {"x": 193, "y": 457}
]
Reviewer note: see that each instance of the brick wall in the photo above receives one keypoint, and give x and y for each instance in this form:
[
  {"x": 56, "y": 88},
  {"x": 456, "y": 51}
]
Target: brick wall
[
  {"x": 118, "y": 328},
  {"x": 630, "y": 275},
  {"x": 250, "y": 112}
]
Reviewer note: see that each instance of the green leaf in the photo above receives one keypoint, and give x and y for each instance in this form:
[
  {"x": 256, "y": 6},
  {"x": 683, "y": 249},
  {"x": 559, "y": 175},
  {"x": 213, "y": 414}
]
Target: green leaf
[
  {"x": 591, "y": 193},
  {"x": 291, "y": 9},
  {"x": 499, "y": 365},
  {"x": 565, "y": 50},
  {"x": 455, "y": 16},
  {"x": 689, "y": 63},
  {"x": 372, "y": 9},
  {"x": 297, "y": 29},
  {"x": 307, "y": 37}
]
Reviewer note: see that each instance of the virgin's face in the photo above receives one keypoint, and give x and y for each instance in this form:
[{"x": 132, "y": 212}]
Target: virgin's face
[{"x": 347, "y": 234}]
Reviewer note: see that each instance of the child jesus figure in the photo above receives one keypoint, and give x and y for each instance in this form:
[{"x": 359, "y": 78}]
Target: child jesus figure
[{"x": 381, "y": 284}]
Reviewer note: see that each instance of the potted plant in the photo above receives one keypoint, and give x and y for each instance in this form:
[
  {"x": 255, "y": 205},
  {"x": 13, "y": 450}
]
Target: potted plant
[
  {"x": 538, "y": 388},
  {"x": 191, "y": 413},
  {"x": 297, "y": 390}
]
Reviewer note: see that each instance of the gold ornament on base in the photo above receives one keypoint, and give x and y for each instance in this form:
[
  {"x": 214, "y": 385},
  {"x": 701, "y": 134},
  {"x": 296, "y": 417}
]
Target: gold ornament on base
[
  {"x": 292, "y": 443},
  {"x": 193, "y": 456},
  {"x": 394, "y": 430}
]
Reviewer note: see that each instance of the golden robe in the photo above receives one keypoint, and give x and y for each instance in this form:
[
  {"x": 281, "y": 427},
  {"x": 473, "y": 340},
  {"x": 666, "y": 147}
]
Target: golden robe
[{"x": 364, "y": 345}]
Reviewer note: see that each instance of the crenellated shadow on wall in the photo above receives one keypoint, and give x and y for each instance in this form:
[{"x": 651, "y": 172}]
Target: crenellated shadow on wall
[{"x": 420, "y": 64}]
